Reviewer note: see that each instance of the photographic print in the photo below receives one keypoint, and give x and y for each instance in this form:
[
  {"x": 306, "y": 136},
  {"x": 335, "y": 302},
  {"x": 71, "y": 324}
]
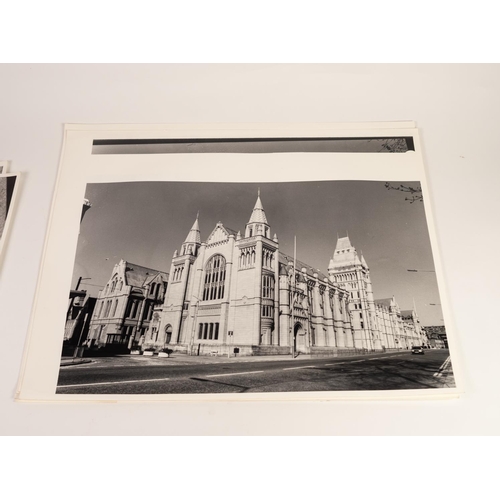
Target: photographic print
[
  {"x": 7, "y": 191},
  {"x": 4, "y": 166},
  {"x": 236, "y": 262},
  {"x": 211, "y": 287}
]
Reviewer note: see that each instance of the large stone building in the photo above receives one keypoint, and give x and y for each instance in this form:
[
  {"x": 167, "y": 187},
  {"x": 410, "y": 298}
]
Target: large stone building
[
  {"x": 237, "y": 292},
  {"x": 124, "y": 308}
]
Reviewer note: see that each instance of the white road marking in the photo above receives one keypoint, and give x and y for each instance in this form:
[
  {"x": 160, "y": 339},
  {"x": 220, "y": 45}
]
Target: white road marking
[
  {"x": 299, "y": 367},
  {"x": 339, "y": 363},
  {"x": 232, "y": 374},
  {"x": 112, "y": 383},
  {"x": 442, "y": 368}
]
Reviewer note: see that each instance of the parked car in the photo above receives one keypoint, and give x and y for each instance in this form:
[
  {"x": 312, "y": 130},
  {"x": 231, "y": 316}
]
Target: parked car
[{"x": 417, "y": 350}]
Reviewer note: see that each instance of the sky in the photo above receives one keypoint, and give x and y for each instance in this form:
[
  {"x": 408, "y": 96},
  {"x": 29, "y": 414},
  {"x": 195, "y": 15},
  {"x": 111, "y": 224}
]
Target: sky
[{"x": 145, "y": 222}]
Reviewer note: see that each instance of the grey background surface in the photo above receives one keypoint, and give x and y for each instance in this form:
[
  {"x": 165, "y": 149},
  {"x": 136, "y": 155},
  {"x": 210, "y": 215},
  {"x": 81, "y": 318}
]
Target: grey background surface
[{"x": 456, "y": 109}]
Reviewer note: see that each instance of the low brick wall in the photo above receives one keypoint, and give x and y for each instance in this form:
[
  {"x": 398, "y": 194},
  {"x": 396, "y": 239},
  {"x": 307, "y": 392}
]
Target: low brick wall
[
  {"x": 270, "y": 350},
  {"x": 335, "y": 352}
]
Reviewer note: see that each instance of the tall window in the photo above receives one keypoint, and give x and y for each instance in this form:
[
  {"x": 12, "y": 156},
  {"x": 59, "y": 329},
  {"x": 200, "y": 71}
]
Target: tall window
[
  {"x": 215, "y": 276},
  {"x": 208, "y": 331},
  {"x": 267, "y": 286},
  {"x": 168, "y": 334}
]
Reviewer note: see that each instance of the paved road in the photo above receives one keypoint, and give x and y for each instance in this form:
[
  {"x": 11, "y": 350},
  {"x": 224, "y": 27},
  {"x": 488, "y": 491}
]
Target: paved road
[{"x": 182, "y": 375}]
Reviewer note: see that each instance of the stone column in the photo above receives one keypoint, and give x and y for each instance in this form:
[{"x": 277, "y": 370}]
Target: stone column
[
  {"x": 349, "y": 342},
  {"x": 284, "y": 307},
  {"x": 224, "y": 317},
  {"x": 338, "y": 320},
  {"x": 276, "y": 332},
  {"x": 327, "y": 308},
  {"x": 257, "y": 302},
  {"x": 317, "y": 316}
]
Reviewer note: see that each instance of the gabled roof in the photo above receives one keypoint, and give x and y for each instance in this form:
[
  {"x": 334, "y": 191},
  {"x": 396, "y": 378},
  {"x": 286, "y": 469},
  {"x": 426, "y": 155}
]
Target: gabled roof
[
  {"x": 139, "y": 276},
  {"x": 383, "y": 302},
  {"x": 407, "y": 312},
  {"x": 286, "y": 263},
  {"x": 220, "y": 233}
]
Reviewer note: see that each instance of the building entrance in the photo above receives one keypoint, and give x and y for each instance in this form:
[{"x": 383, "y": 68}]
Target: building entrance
[{"x": 299, "y": 339}]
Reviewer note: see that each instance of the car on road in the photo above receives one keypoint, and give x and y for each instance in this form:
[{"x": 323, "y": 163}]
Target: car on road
[{"x": 417, "y": 350}]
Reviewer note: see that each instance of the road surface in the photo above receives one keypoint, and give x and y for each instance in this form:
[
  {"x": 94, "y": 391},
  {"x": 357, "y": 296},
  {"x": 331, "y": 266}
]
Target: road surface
[{"x": 186, "y": 375}]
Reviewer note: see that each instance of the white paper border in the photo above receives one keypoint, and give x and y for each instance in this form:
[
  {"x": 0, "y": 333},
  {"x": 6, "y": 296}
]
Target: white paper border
[{"x": 78, "y": 166}]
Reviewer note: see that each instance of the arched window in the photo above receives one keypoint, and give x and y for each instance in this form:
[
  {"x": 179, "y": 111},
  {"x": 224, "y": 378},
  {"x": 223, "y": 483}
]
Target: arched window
[
  {"x": 215, "y": 276},
  {"x": 114, "y": 309},
  {"x": 168, "y": 334}
]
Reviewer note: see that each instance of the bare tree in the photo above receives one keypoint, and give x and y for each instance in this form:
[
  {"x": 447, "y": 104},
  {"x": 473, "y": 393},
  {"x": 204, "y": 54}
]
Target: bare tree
[
  {"x": 397, "y": 145},
  {"x": 416, "y": 193}
]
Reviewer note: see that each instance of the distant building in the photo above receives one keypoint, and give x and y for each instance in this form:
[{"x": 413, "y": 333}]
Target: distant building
[
  {"x": 124, "y": 308},
  {"x": 437, "y": 336},
  {"x": 376, "y": 323},
  {"x": 78, "y": 320}
]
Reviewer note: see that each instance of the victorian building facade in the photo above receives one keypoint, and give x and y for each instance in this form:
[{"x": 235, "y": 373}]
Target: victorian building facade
[
  {"x": 238, "y": 293},
  {"x": 124, "y": 308}
]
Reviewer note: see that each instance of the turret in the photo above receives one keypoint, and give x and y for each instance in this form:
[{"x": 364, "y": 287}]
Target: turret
[
  {"x": 193, "y": 240},
  {"x": 345, "y": 255},
  {"x": 257, "y": 225}
]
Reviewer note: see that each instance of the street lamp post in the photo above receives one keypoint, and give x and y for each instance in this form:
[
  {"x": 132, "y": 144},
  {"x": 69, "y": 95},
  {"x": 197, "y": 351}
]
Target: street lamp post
[{"x": 76, "y": 352}]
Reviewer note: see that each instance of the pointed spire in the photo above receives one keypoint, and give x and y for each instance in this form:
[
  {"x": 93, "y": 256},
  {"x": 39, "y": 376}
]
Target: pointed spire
[
  {"x": 363, "y": 261},
  {"x": 194, "y": 233},
  {"x": 258, "y": 214}
]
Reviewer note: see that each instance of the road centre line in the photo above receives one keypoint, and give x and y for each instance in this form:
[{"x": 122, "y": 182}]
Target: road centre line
[
  {"x": 299, "y": 367},
  {"x": 112, "y": 383},
  {"x": 232, "y": 374}
]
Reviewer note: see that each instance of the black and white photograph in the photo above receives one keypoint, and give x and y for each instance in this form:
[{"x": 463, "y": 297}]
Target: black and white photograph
[
  {"x": 7, "y": 189},
  {"x": 271, "y": 287}
]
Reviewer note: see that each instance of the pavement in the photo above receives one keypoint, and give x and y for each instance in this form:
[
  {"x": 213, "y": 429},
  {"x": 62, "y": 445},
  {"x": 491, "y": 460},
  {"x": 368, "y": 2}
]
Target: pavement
[
  {"x": 69, "y": 361},
  {"x": 177, "y": 358}
]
